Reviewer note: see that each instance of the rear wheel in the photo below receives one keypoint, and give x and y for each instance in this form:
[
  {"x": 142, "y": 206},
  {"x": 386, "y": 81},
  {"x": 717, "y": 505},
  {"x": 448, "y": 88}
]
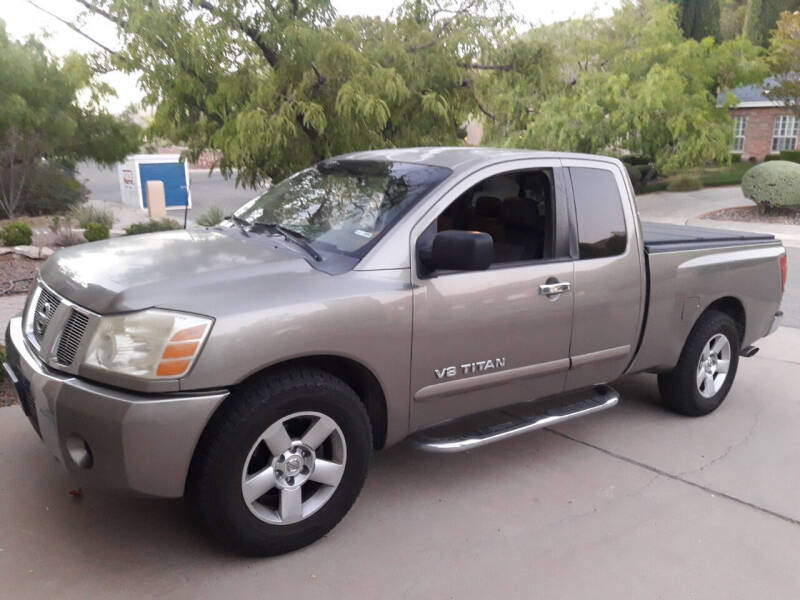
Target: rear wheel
[
  {"x": 706, "y": 368},
  {"x": 282, "y": 462}
]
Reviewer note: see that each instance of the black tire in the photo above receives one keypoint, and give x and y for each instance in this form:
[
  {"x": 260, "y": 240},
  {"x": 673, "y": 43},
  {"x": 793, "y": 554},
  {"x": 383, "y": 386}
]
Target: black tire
[
  {"x": 679, "y": 387},
  {"x": 215, "y": 482}
]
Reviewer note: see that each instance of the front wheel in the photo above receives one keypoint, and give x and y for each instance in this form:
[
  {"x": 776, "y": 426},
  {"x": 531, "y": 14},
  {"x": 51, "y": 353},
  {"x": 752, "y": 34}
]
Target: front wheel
[
  {"x": 706, "y": 368},
  {"x": 282, "y": 462}
]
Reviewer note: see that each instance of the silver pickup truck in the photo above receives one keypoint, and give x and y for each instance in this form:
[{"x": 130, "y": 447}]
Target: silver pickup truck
[{"x": 373, "y": 297}]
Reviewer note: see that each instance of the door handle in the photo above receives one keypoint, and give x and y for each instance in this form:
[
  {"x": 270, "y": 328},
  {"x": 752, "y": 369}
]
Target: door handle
[{"x": 554, "y": 289}]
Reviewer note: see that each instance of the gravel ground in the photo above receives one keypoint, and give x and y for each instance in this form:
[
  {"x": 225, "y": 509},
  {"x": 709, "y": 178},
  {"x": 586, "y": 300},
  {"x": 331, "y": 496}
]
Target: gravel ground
[
  {"x": 749, "y": 214},
  {"x": 17, "y": 274},
  {"x": 7, "y": 397}
]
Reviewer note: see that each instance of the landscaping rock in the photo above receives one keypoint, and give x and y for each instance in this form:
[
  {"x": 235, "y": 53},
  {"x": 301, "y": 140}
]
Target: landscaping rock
[
  {"x": 5, "y": 250},
  {"x": 46, "y": 252},
  {"x": 29, "y": 251}
]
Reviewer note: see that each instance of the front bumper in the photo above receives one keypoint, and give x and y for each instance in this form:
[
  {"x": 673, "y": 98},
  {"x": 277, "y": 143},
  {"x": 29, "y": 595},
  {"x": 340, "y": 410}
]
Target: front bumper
[{"x": 137, "y": 443}]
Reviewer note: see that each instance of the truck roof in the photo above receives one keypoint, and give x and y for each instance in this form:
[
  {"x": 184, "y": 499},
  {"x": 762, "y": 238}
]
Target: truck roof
[{"x": 460, "y": 158}]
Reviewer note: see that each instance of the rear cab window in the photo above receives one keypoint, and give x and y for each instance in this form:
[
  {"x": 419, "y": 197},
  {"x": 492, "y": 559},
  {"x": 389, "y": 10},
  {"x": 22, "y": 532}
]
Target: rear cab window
[{"x": 600, "y": 219}]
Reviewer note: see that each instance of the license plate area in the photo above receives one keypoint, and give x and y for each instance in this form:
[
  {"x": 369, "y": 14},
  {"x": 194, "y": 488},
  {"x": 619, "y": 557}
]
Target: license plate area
[{"x": 22, "y": 390}]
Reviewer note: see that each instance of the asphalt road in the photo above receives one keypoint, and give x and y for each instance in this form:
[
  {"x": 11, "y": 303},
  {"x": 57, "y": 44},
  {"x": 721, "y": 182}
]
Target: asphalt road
[{"x": 207, "y": 190}]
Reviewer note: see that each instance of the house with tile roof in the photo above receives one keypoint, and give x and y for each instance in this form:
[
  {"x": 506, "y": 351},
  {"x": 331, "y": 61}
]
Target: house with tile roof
[{"x": 761, "y": 125}]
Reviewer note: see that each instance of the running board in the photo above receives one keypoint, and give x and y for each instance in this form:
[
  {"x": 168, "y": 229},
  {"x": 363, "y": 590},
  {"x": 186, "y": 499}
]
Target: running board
[{"x": 512, "y": 423}]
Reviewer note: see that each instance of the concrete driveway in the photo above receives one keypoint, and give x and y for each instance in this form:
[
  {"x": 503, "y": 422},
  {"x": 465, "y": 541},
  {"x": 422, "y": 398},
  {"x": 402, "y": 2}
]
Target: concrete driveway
[
  {"x": 635, "y": 502},
  {"x": 631, "y": 503}
]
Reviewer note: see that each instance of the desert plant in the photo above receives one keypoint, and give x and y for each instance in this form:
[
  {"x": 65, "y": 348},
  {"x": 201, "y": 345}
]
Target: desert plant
[
  {"x": 152, "y": 226},
  {"x": 773, "y": 185},
  {"x": 65, "y": 236},
  {"x": 213, "y": 216},
  {"x": 95, "y": 232},
  {"x": 685, "y": 183},
  {"x": 16, "y": 233},
  {"x": 86, "y": 213}
]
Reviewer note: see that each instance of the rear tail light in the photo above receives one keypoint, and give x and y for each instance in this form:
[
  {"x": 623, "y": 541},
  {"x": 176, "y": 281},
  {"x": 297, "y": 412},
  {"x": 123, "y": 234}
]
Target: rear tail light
[{"x": 783, "y": 272}]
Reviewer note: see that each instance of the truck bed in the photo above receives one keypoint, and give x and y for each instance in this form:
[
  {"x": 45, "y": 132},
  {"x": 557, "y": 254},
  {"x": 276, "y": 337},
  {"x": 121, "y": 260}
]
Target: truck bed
[{"x": 663, "y": 237}]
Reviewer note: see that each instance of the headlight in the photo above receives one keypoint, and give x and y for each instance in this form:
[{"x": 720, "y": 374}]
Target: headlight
[{"x": 152, "y": 344}]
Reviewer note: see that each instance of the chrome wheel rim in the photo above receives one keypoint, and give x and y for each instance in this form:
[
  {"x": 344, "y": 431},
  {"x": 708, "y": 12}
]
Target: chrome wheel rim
[
  {"x": 713, "y": 365},
  {"x": 293, "y": 468}
]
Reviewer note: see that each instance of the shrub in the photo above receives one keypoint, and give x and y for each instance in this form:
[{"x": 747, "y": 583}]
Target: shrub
[
  {"x": 654, "y": 186},
  {"x": 790, "y": 155},
  {"x": 736, "y": 158},
  {"x": 685, "y": 183},
  {"x": 86, "y": 213},
  {"x": 771, "y": 157},
  {"x": 635, "y": 175},
  {"x": 152, "y": 226},
  {"x": 636, "y": 160},
  {"x": 65, "y": 236},
  {"x": 52, "y": 190},
  {"x": 213, "y": 216},
  {"x": 95, "y": 232},
  {"x": 773, "y": 184},
  {"x": 17, "y": 233}
]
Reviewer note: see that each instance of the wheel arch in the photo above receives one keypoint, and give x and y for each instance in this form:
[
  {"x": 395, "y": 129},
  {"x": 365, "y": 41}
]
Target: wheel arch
[
  {"x": 353, "y": 373},
  {"x": 734, "y": 308}
]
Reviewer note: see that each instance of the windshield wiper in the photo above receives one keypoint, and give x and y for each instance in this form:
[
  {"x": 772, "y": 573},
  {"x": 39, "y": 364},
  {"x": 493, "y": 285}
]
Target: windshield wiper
[
  {"x": 293, "y": 236},
  {"x": 241, "y": 223}
]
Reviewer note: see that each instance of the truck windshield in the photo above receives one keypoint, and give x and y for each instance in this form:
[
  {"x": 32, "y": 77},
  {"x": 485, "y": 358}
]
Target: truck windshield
[{"x": 343, "y": 206}]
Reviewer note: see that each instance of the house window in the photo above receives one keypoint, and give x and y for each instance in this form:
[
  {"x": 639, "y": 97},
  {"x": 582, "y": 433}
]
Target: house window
[
  {"x": 784, "y": 133},
  {"x": 739, "y": 123}
]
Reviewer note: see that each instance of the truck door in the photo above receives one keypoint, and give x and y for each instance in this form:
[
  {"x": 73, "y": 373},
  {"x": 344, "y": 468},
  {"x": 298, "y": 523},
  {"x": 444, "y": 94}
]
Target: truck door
[
  {"x": 608, "y": 284},
  {"x": 483, "y": 339}
]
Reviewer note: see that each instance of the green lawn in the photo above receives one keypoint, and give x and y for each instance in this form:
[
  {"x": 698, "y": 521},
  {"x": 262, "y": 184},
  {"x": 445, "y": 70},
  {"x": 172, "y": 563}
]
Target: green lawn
[
  {"x": 724, "y": 175},
  {"x": 711, "y": 176}
]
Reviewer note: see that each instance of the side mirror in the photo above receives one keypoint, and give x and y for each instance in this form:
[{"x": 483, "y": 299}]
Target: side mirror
[{"x": 458, "y": 250}]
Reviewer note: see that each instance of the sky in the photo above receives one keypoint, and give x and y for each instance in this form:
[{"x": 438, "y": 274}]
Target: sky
[{"x": 22, "y": 19}]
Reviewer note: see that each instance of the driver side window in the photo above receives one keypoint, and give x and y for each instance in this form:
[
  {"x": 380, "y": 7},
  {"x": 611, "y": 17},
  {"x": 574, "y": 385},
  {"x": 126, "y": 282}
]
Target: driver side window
[{"x": 515, "y": 209}]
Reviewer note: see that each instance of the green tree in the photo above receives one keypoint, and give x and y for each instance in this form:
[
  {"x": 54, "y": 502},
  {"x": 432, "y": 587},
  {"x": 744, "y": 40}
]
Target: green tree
[
  {"x": 51, "y": 110},
  {"x": 699, "y": 18},
  {"x": 785, "y": 60},
  {"x": 278, "y": 85},
  {"x": 762, "y": 16},
  {"x": 632, "y": 83},
  {"x": 732, "y": 13}
]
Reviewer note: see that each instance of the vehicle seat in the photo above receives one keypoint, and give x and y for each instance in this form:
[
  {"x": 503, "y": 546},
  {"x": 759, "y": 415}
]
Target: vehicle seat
[
  {"x": 487, "y": 217},
  {"x": 523, "y": 239}
]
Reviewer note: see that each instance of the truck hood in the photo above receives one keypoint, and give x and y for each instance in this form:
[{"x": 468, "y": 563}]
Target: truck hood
[{"x": 173, "y": 269}]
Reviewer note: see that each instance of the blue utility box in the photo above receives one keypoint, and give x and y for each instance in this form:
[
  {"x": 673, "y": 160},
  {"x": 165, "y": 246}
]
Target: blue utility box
[{"x": 138, "y": 169}]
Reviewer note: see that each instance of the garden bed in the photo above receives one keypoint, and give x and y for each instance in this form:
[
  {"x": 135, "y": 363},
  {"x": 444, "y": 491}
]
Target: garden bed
[
  {"x": 749, "y": 214},
  {"x": 17, "y": 274}
]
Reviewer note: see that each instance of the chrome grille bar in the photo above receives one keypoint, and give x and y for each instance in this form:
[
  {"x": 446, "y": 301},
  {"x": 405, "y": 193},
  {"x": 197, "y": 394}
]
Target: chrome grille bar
[
  {"x": 46, "y": 307},
  {"x": 71, "y": 338}
]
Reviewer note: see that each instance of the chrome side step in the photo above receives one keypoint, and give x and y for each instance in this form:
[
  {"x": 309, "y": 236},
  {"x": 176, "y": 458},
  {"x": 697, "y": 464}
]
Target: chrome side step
[{"x": 513, "y": 423}]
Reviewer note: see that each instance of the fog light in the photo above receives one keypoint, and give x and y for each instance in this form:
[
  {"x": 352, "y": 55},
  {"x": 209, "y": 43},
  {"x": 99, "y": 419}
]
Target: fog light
[{"x": 79, "y": 451}]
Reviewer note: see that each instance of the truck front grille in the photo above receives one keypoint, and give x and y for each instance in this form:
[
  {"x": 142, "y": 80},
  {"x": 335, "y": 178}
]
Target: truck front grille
[
  {"x": 46, "y": 307},
  {"x": 71, "y": 338}
]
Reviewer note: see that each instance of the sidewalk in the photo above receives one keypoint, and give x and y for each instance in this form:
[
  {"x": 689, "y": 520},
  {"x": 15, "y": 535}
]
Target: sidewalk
[{"x": 687, "y": 208}]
